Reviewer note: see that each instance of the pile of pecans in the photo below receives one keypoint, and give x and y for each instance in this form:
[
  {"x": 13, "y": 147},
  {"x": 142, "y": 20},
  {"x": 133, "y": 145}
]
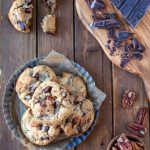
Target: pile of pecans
[
  {"x": 123, "y": 143},
  {"x": 118, "y": 38}
]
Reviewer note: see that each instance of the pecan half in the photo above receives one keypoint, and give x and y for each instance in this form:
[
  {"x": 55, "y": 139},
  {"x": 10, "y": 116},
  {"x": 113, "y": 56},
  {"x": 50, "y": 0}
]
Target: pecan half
[
  {"x": 128, "y": 99},
  {"x": 141, "y": 116},
  {"x": 137, "y": 146},
  {"x": 137, "y": 129}
]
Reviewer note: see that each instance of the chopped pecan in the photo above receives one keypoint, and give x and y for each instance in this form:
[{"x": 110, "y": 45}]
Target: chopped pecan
[
  {"x": 128, "y": 99},
  {"x": 124, "y": 143},
  {"x": 137, "y": 146},
  {"x": 137, "y": 129},
  {"x": 141, "y": 116}
]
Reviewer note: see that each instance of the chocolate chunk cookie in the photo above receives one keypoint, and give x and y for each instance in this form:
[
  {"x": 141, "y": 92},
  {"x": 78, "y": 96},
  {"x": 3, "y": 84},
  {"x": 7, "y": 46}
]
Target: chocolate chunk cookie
[
  {"x": 30, "y": 79},
  {"x": 20, "y": 15},
  {"x": 38, "y": 133},
  {"x": 51, "y": 103},
  {"x": 81, "y": 119},
  {"x": 73, "y": 84},
  {"x": 49, "y": 24}
]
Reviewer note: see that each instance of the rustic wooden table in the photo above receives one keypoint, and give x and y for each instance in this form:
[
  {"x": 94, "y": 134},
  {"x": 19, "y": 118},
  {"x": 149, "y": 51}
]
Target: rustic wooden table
[{"x": 75, "y": 42}]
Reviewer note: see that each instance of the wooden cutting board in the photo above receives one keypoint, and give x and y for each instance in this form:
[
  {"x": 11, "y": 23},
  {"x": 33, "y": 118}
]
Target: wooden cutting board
[{"x": 142, "y": 33}]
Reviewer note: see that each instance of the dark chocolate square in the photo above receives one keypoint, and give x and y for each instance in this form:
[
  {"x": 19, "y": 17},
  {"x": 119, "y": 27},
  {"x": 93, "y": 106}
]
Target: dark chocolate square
[
  {"x": 126, "y": 9},
  {"x": 118, "y": 3},
  {"x": 135, "y": 17}
]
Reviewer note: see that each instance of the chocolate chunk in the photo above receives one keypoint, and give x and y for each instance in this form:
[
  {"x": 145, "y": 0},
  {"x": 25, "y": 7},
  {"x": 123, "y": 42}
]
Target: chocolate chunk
[
  {"x": 97, "y": 15},
  {"x": 28, "y": 2},
  {"x": 117, "y": 43},
  {"x": 137, "y": 55},
  {"x": 56, "y": 106},
  {"x": 123, "y": 35},
  {"x": 141, "y": 48},
  {"x": 28, "y": 10},
  {"x": 135, "y": 43},
  {"x": 108, "y": 46},
  {"x": 89, "y": 2},
  {"x": 109, "y": 41},
  {"x": 47, "y": 89},
  {"x": 31, "y": 73},
  {"x": 98, "y": 5},
  {"x": 118, "y": 3},
  {"x": 36, "y": 75},
  {"x": 45, "y": 128},
  {"x": 44, "y": 138},
  {"x": 111, "y": 33},
  {"x": 43, "y": 77},
  {"x": 106, "y": 24},
  {"x": 22, "y": 25}
]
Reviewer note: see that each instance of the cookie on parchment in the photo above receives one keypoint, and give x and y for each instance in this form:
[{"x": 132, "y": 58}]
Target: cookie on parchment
[
  {"x": 20, "y": 15},
  {"x": 38, "y": 133},
  {"x": 81, "y": 119},
  {"x": 30, "y": 79},
  {"x": 51, "y": 103},
  {"x": 73, "y": 84}
]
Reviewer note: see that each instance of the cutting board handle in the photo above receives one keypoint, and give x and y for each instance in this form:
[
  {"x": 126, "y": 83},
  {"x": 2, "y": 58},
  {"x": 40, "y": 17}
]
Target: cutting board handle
[{"x": 146, "y": 79}]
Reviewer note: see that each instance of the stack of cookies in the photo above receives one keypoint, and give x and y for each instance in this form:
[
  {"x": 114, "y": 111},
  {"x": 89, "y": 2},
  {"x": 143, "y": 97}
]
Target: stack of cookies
[{"x": 56, "y": 105}]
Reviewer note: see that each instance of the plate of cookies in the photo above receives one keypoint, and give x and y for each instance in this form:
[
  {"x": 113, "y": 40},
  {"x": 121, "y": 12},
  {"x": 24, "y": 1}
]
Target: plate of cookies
[{"x": 51, "y": 103}]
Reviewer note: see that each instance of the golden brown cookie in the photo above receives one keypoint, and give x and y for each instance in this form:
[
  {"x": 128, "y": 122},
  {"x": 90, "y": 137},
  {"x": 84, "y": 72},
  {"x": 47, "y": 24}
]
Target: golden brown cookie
[
  {"x": 49, "y": 24},
  {"x": 30, "y": 79},
  {"x": 38, "y": 133},
  {"x": 51, "y": 103},
  {"x": 81, "y": 119},
  {"x": 73, "y": 84},
  {"x": 20, "y": 15}
]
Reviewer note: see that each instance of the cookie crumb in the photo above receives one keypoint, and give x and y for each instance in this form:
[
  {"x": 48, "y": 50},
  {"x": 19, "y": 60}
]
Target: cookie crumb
[
  {"x": 51, "y": 4},
  {"x": 49, "y": 24}
]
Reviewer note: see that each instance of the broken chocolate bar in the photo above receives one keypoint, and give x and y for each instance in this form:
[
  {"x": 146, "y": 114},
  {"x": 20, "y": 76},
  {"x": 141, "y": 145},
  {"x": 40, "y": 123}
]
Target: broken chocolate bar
[
  {"x": 99, "y": 16},
  {"x": 98, "y": 5},
  {"x": 123, "y": 35},
  {"x": 138, "y": 12},
  {"x": 127, "y": 8},
  {"x": 117, "y": 3},
  {"x": 106, "y": 24}
]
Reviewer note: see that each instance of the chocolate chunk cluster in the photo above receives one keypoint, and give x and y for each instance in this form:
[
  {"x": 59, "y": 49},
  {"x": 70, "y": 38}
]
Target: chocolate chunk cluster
[{"x": 119, "y": 40}]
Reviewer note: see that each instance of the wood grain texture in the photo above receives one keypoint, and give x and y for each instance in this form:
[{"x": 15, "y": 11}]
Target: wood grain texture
[
  {"x": 140, "y": 68},
  {"x": 89, "y": 54},
  {"x": 15, "y": 49},
  {"x": 126, "y": 81}
]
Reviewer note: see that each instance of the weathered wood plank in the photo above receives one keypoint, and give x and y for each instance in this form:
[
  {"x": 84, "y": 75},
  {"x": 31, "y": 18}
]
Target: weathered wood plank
[
  {"x": 100, "y": 68},
  {"x": 122, "y": 81},
  {"x": 63, "y": 40},
  {"x": 15, "y": 49}
]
